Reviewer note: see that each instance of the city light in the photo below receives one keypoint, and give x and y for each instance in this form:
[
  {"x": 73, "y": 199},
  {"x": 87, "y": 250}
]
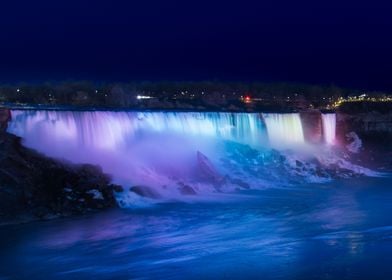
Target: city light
[
  {"x": 247, "y": 99},
  {"x": 143, "y": 97},
  {"x": 360, "y": 98}
]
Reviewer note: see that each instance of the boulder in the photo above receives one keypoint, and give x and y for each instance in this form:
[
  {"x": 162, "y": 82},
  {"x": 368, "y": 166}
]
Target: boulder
[
  {"x": 186, "y": 190},
  {"x": 208, "y": 171},
  {"x": 145, "y": 191},
  {"x": 240, "y": 183}
]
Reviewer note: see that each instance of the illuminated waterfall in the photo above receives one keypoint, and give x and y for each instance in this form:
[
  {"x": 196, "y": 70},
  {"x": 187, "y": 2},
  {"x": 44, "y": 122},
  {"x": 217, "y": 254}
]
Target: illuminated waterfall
[
  {"x": 168, "y": 150},
  {"x": 137, "y": 147},
  {"x": 108, "y": 130},
  {"x": 159, "y": 149},
  {"x": 115, "y": 131},
  {"x": 329, "y": 128},
  {"x": 284, "y": 129}
]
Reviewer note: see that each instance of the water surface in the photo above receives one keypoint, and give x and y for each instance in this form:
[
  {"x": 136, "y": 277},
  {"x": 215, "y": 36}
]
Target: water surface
[{"x": 339, "y": 230}]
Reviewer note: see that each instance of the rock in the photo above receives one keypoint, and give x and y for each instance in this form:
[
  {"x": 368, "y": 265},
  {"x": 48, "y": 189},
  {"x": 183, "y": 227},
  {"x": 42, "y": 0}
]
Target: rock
[
  {"x": 240, "y": 183},
  {"x": 371, "y": 145},
  {"x": 145, "y": 191},
  {"x": 208, "y": 171},
  {"x": 5, "y": 116},
  {"x": 117, "y": 188},
  {"x": 33, "y": 186},
  {"x": 96, "y": 194},
  {"x": 186, "y": 190},
  {"x": 312, "y": 126}
]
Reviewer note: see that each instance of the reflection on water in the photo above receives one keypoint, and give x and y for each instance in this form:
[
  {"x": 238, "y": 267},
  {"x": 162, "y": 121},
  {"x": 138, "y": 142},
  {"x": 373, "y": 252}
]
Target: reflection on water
[{"x": 337, "y": 231}]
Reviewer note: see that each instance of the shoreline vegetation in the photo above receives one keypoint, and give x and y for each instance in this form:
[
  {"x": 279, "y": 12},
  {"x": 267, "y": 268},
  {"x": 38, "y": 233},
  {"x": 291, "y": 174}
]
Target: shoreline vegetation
[{"x": 190, "y": 96}]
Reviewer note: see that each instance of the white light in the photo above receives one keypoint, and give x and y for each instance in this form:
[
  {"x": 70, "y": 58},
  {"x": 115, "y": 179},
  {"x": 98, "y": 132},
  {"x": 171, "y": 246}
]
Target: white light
[{"x": 143, "y": 97}]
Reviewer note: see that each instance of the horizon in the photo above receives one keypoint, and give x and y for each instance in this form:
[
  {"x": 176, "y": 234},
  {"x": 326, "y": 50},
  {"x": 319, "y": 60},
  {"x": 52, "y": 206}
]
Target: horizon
[{"x": 253, "y": 83}]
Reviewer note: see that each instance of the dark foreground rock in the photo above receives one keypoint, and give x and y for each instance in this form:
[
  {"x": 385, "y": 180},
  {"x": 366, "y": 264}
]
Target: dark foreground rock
[{"x": 33, "y": 186}]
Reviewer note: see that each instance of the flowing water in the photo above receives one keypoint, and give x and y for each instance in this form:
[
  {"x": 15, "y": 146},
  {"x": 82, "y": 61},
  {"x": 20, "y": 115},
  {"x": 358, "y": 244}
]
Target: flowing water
[
  {"x": 339, "y": 230},
  {"x": 284, "y": 129},
  {"x": 329, "y": 128},
  {"x": 266, "y": 204},
  {"x": 163, "y": 150}
]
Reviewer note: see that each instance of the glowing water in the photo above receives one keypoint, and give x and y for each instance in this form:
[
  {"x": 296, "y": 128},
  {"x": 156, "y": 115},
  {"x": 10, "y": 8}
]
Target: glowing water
[
  {"x": 284, "y": 129},
  {"x": 138, "y": 148},
  {"x": 329, "y": 128},
  {"x": 111, "y": 130},
  {"x": 108, "y": 130},
  {"x": 211, "y": 152}
]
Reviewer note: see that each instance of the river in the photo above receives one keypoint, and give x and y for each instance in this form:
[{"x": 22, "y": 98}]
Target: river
[{"x": 337, "y": 230}]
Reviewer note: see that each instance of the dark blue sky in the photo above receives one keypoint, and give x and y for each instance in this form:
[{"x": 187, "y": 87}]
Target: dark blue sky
[{"x": 341, "y": 42}]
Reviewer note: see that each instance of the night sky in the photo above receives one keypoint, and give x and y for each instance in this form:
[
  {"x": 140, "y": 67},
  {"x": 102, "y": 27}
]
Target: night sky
[{"x": 342, "y": 42}]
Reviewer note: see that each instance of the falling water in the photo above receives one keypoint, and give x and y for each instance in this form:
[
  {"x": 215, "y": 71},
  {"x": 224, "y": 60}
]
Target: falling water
[
  {"x": 164, "y": 149},
  {"x": 284, "y": 129},
  {"x": 287, "y": 228},
  {"x": 329, "y": 127},
  {"x": 108, "y": 130},
  {"x": 137, "y": 147}
]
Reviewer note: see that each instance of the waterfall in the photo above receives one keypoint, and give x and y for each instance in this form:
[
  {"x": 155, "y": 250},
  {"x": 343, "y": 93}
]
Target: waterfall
[
  {"x": 284, "y": 129},
  {"x": 159, "y": 149},
  {"x": 115, "y": 131},
  {"x": 329, "y": 127},
  {"x": 106, "y": 129},
  {"x": 136, "y": 147}
]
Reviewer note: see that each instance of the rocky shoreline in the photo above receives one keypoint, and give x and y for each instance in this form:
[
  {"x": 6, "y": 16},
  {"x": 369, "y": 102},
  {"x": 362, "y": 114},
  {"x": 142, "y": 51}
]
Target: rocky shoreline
[{"x": 35, "y": 187}]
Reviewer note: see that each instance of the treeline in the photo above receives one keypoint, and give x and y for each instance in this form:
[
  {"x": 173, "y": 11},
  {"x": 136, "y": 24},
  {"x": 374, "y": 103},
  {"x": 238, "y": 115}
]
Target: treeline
[{"x": 172, "y": 94}]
